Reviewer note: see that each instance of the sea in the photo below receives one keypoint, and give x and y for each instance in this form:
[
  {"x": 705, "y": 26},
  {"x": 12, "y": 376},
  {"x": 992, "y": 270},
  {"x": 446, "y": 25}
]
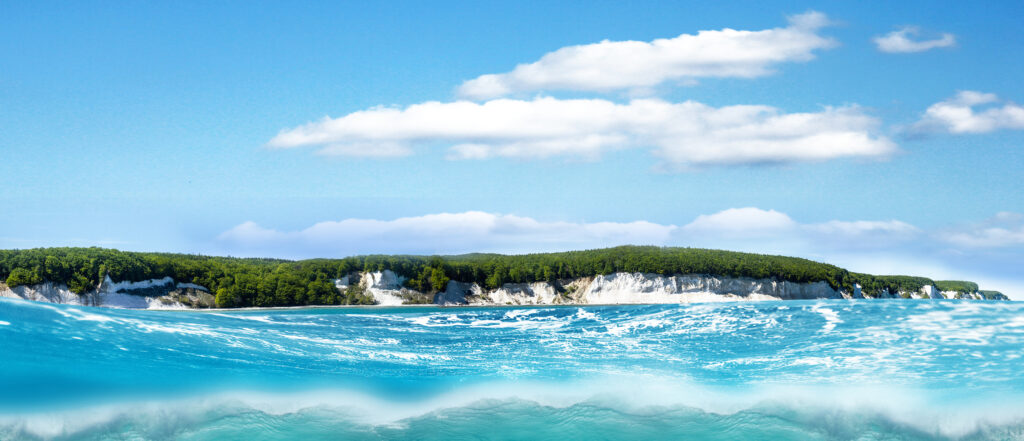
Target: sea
[{"x": 789, "y": 370}]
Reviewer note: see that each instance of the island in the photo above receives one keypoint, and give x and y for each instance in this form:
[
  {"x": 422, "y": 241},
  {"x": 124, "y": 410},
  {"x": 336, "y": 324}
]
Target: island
[{"x": 619, "y": 275}]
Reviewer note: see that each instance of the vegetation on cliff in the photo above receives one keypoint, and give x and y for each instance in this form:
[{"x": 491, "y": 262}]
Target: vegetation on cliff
[
  {"x": 959, "y": 286},
  {"x": 238, "y": 282}
]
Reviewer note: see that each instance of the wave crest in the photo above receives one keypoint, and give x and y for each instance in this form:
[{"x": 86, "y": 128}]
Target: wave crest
[{"x": 614, "y": 408}]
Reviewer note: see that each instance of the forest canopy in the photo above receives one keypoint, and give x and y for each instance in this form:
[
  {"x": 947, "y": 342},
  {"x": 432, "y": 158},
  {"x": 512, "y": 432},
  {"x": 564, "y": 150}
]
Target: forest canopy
[{"x": 240, "y": 282}]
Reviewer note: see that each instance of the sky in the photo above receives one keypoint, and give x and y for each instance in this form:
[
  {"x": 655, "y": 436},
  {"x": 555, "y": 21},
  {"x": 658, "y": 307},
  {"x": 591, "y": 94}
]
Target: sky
[{"x": 882, "y": 137}]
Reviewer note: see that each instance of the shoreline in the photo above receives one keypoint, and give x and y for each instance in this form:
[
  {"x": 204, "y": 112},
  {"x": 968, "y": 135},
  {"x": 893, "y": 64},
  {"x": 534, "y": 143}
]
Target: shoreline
[
  {"x": 525, "y": 306},
  {"x": 580, "y": 305}
]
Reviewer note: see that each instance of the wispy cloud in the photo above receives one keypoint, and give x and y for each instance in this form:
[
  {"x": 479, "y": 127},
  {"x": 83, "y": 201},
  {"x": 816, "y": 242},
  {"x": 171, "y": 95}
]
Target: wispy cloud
[
  {"x": 863, "y": 228},
  {"x": 754, "y": 226},
  {"x": 901, "y": 41},
  {"x": 680, "y": 134},
  {"x": 1001, "y": 231},
  {"x": 963, "y": 113},
  {"x": 480, "y": 231},
  {"x": 625, "y": 65},
  {"x": 441, "y": 233}
]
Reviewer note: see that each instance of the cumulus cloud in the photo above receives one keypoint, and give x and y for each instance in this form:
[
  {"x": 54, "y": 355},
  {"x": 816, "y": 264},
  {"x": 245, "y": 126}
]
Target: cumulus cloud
[
  {"x": 741, "y": 221},
  {"x": 681, "y": 134},
  {"x": 618, "y": 65},
  {"x": 901, "y": 41},
  {"x": 961, "y": 114},
  {"x": 1002, "y": 231}
]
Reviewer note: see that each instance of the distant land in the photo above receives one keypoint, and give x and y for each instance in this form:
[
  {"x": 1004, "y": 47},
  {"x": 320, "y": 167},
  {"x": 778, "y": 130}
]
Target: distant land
[{"x": 620, "y": 275}]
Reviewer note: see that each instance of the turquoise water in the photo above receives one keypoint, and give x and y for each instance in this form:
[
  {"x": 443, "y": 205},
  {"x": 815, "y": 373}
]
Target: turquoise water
[{"x": 798, "y": 370}]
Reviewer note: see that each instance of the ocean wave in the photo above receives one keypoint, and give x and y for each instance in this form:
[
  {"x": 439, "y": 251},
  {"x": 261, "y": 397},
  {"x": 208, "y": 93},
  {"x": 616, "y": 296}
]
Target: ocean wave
[
  {"x": 808, "y": 369},
  {"x": 611, "y": 408}
]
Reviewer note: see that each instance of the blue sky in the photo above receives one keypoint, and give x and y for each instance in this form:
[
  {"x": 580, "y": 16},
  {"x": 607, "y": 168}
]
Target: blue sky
[{"x": 148, "y": 126}]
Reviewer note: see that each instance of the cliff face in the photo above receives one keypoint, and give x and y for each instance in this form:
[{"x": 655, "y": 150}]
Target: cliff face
[
  {"x": 653, "y": 288},
  {"x": 387, "y": 289},
  {"x": 148, "y": 294},
  {"x": 628, "y": 288},
  {"x": 49, "y": 293},
  {"x": 926, "y": 292},
  {"x": 633, "y": 288}
]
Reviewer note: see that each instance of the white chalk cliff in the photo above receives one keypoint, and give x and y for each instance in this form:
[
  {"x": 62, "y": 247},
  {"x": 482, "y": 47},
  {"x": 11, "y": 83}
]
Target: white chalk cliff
[
  {"x": 387, "y": 289},
  {"x": 146, "y": 294},
  {"x": 632, "y": 288}
]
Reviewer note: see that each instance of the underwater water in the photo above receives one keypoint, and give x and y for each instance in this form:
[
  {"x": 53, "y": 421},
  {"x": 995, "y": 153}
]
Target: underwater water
[{"x": 829, "y": 369}]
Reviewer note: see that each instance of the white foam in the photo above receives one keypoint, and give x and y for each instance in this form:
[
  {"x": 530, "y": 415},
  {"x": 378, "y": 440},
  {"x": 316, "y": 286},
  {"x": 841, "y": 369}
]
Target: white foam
[
  {"x": 633, "y": 394},
  {"x": 520, "y": 313},
  {"x": 830, "y": 315}
]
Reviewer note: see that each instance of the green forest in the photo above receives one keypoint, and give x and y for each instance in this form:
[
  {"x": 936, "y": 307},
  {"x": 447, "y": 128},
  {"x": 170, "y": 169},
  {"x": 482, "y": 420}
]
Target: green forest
[{"x": 245, "y": 282}]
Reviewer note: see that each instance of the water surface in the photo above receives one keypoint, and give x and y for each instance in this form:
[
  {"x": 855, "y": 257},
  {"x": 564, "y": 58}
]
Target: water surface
[{"x": 829, "y": 369}]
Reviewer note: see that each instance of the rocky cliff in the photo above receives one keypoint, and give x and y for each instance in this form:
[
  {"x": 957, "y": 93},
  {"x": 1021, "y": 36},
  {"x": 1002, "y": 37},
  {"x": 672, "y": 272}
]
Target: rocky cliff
[
  {"x": 387, "y": 289},
  {"x": 148, "y": 294},
  {"x": 626, "y": 288}
]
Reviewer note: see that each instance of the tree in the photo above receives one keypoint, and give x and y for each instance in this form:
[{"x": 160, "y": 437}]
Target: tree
[
  {"x": 496, "y": 278},
  {"x": 290, "y": 290},
  {"x": 323, "y": 292},
  {"x": 79, "y": 284},
  {"x": 348, "y": 265},
  {"x": 245, "y": 289},
  {"x": 55, "y": 269},
  {"x": 266, "y": 291},
  {"x": 225, "y": 299},
  {"x": 23, "y": 276},
  {"x": 438, "y": 280}
]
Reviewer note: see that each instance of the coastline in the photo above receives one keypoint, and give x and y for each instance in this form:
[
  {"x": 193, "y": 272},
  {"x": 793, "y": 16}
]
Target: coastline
[
  {"x": 429, "y": 307},
  {"x": 620, "y": 275}
]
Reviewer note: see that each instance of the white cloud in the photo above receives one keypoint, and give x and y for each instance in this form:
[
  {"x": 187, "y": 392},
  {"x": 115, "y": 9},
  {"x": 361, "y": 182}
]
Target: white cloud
[
  {"x": 860, "y": 235},
  {"x": 618, "y": 65},
  {"x": 899, "y": 41},
  {"x": 988, "y": 237},
  {"x": 861, "y": 228},
  {"x": 741, "y": 221},
  {"x": 960, "y": 114},
  {"x": 442, "y": 233},
  {"x": 760, "y": 228},
  {"x": 1001, "y": 231},
  {"x": 480, "y": 231},
  {"x": 681, "y": 134}
]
